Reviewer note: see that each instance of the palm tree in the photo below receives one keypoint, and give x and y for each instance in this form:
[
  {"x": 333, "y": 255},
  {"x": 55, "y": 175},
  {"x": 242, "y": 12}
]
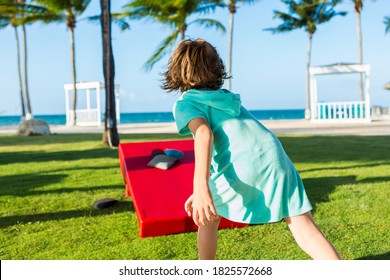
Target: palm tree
[
  {"x": 174, "y": 14},
  {"x": 306, "y": 14},
  {"x": 110, "y": 135},
  {"x": 232, "y": 10},
  {"x": 358, "y": 6},
  {"x": 18, "y": 13},
  {"x": 29, "y": 114},
  {"x": 387, "y": 23},
  {"x": 68, "y": 11},
  {"x": 6, "y": 20}
]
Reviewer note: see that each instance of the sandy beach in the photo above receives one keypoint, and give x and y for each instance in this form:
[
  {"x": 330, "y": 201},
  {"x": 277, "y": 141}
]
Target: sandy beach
[{"x": 297, "y": 127}]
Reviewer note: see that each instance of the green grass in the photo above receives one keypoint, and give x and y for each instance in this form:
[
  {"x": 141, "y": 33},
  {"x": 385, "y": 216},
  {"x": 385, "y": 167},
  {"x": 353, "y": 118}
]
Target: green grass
[{"x": 48, "y": 185}]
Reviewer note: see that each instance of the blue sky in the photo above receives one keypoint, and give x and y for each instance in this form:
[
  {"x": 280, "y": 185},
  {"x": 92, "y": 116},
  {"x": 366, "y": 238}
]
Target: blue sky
[{"x": 268, "y": 70}]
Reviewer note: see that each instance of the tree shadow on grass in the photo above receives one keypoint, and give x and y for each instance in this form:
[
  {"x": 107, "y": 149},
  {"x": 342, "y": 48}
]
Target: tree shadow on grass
[
  {"x": 105, "y": 167},
  {"x": 328, "y": 148},
  {"x": 119, "y": 207},
  {"x": 24, "y": 184},
  {"x": 27, "y": 184},
  {"x": 384, "y": 256},
  {"x": 15, "y": 140},
  {"x": 42, "y": 156},
  {"x": 319, "y": 189},
  {"x": 346, "y": 167},
  {"x": 319, "y": 149},
  {"x": 70, "y": 190}
]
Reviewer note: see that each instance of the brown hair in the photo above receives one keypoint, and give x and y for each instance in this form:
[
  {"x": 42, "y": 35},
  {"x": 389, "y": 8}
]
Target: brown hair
[{"x": 194, "y": 64}]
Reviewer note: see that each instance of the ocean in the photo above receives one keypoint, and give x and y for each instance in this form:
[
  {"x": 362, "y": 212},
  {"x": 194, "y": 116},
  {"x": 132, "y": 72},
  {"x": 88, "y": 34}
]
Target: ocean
[{"x": 159, "y": 117}]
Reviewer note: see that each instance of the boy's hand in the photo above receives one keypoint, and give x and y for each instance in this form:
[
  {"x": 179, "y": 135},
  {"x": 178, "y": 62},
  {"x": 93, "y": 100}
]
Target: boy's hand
[
  {"x": 203, "y": 209},
  {"x": 188, "y": 205},
  {"x": 201, "y": 215}
]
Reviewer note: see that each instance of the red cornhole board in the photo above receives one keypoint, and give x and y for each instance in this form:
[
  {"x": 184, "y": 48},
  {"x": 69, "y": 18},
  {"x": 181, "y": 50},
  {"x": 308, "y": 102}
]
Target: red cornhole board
[{"x": 159, "y": 195}]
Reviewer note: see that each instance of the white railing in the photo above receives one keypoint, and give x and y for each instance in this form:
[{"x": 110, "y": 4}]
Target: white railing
[
  {"x": 355, "y": 110},
  {"x": 89, "y": 116},
  {"x": 84, "y": 117}
]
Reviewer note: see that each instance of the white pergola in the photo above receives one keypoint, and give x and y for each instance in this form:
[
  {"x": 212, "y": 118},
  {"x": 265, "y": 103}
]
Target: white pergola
[
  {"x": 88, "y": 116},
  {"x": 351, "y": 111}
]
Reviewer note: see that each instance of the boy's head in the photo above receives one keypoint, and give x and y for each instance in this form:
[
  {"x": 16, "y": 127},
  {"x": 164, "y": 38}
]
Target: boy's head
[{"x": 195, "y": 64}]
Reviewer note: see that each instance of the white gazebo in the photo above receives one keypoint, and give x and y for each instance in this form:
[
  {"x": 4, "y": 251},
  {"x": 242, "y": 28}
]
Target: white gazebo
[
  {"x": 92, "y": 114},
  {"x": 351, "y": 111}
]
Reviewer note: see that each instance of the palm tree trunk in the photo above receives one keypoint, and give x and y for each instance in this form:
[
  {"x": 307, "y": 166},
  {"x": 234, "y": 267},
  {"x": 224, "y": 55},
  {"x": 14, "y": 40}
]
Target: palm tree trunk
[
  {"x": 19, "y": 73},
  {"x": 182, "y": 30},
  {"x": 360, "y": 42},
  {"x": 29, "y": 114},
  {"x": 230, "y": 51},
  {"x": 307, "y": 110},
  {"x": 110, "y": 134},
  {"x": 73, "y": 61}
]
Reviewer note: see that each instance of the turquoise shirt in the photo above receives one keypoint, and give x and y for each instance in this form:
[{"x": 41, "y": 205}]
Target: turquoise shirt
[{"x": 252, "y": 178}]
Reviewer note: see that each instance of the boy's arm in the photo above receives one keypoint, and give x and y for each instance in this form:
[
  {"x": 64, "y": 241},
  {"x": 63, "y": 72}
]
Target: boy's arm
[{"x": 203, "y": 209}]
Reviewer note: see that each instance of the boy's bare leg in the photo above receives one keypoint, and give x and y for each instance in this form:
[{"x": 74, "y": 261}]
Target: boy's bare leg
[
  {"x": 310, "y": 238},
  {"x": 208, "y": 240}
]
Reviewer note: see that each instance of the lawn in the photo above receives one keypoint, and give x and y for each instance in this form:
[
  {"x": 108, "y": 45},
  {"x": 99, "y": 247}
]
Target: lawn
[{"x": 48, "y": 185}]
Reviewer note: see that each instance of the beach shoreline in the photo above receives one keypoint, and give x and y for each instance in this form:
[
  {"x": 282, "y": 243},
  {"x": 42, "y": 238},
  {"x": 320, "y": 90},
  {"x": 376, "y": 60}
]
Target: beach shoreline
[{"x": 290, "y": 127}]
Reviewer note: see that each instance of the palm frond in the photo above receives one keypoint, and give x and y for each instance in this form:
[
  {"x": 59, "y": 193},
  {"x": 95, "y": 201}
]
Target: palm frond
[
  {"x": 137, "y": 14},
  {"x": 4, "y": 21},
  {"x": 289, "y": 23},
  {"x": 336, "y": 2},
  {"x": 53, "y": 5},
  {"x": 209, "y": 23},
  {"x": 74, "y": 7},
  {"x": 144, "y": 11},
  {"x": 305, "y": 14},
  {"x": 387, "y": 23},
  {"x": 208, "y": 6},
  {"x": 81, "y": 6},
  {"x": 45, "y": 18},
  {"x": 28, "y": 13},
  {"x": 139, "y": 9},
  {"x": 120, "y": 22},
  {"x": 164, "y": 48},
  {"x": 132, "y": 15},
  {"x": 172, "y": 13},
  {"x": 116, "y": 19},
  {"x": 16, "y": 8},
  {"x": 286, "y": 17},
  {"x": 249, "y": 2},
  {"x": 92, "y": 19},
  {"x": 7, "y": 9},
  {"x": 77, "y": 6},
  {"x": 326, "y": 12}
]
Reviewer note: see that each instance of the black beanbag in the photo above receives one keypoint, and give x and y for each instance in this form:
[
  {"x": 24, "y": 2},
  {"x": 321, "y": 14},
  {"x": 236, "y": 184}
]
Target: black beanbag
[{"x": 104, "y": 203}]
